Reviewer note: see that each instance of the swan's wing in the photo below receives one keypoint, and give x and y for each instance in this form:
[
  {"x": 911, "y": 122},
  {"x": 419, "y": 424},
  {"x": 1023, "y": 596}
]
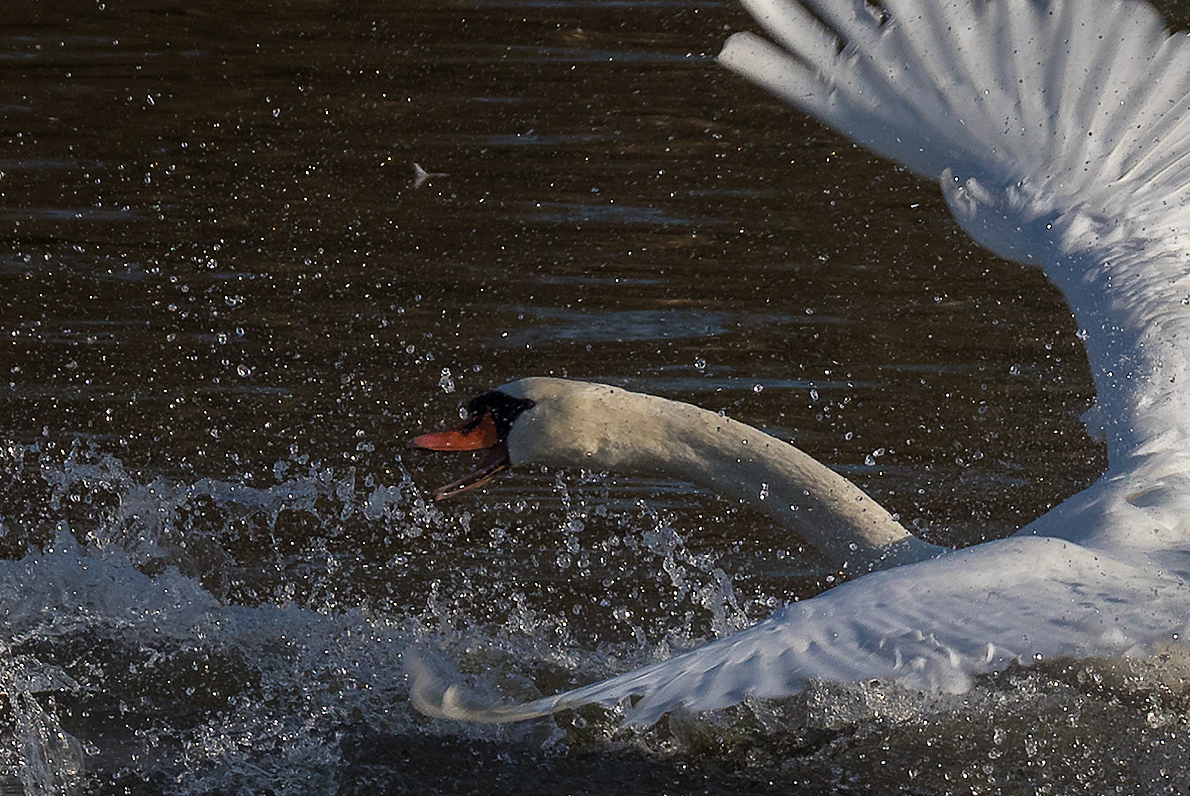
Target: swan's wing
[
  {"x": 1060, "y": 132},
  {"x": 1068, "y": 102},
  {"x": 929, "y": 625}
]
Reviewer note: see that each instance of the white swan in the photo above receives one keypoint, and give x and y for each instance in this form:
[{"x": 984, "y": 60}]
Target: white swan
[{"x": 1060, "y": 132}]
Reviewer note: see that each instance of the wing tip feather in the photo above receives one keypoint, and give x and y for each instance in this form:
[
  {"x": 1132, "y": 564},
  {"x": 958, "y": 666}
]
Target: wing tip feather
[{"x": 433, "y": 693}]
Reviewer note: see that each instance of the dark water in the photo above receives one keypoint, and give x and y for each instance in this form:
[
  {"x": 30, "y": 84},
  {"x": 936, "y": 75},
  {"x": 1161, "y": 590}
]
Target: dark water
[{"x": 225, "y": 305}]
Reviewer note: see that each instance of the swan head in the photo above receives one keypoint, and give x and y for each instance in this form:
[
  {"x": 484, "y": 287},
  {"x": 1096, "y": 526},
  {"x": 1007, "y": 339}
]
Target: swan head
[{"x": 555, "y": 422}]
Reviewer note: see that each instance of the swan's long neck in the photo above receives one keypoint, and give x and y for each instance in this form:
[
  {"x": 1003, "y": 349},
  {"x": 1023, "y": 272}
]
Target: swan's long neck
[{"x": 605, "y": 428}]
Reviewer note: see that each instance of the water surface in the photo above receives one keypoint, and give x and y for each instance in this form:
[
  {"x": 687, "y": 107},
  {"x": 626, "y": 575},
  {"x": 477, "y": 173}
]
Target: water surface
[{"x": 226, "y": 304}]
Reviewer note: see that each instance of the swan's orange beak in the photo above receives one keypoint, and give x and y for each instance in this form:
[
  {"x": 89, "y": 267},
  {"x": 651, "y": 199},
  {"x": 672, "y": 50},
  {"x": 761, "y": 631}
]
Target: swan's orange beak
[{"x": 476, "y": 434}]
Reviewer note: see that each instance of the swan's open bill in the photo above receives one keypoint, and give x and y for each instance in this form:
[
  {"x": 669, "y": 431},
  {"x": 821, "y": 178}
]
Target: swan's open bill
[
  {"x": 489, "y": 419},
  {"x": 1060, "y": 133}
]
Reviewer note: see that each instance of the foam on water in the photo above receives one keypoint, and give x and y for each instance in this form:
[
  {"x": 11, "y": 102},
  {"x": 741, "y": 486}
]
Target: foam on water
[
  {"x": 130, "y": 648},
  {"x": 147, "y": 645},
  {"x": 155, "y": 675}
]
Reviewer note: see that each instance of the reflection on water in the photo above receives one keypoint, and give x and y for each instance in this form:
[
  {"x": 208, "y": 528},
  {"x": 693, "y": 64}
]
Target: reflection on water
[{"x": 225, "y": 305}]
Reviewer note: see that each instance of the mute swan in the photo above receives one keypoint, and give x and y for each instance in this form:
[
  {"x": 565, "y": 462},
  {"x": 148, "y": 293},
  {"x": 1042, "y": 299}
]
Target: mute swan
[{"x": 1060, "y": 133}]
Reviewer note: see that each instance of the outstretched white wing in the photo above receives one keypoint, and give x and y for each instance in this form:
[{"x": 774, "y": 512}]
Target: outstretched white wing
[
  {"x": 1071, "y": 103},
  {"x": 931, "y": 625},
  {"x": 1060, "y": 133}
]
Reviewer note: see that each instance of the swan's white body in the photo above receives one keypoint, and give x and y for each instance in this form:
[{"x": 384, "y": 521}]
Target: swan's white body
[{"x": 1060, "y": 133}]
